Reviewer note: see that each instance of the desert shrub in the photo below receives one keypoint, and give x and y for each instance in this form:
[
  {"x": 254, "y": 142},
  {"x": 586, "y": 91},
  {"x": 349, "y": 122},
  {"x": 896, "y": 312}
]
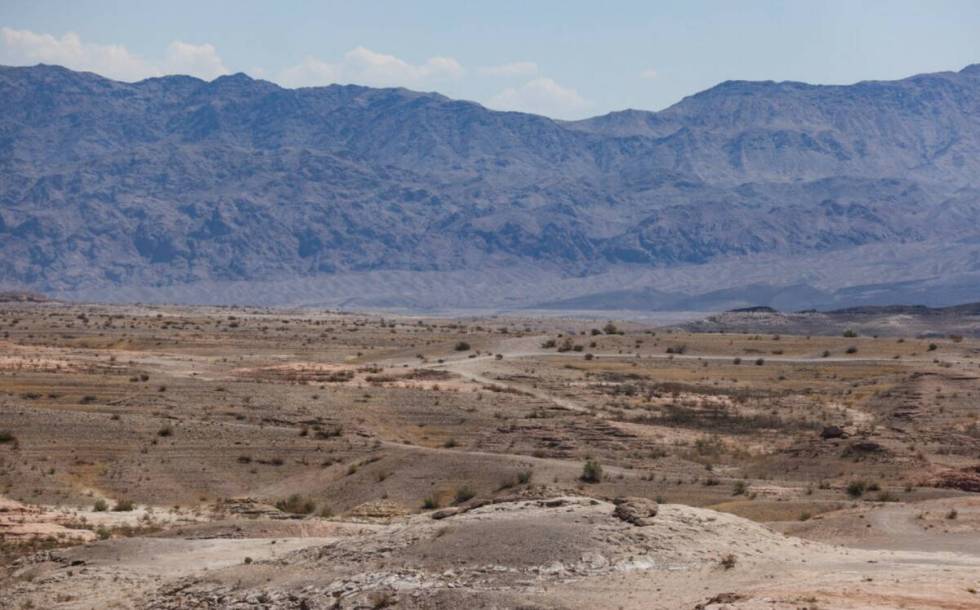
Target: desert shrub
[
  {"x": 760, "y": 361},
  {"x": 933, "y": 347},
  {"x": 429, "y": 503},
  {"x": 463, "y": 494},
  {"x": 739, "y": 488},
  {"x": 6, "y": 436},
  {"x": 165, "y": 431},
  {"x": 296, "y": 505},
  {"x": 851, "y": 350},
  {"x": 123, "y": 506},
  {"x": 524, "y": 477},
  {"x": 100, "y": 506},
  {"x": 591, "y": 471},
  {"x": 728, "y": 561},
  {"x": 548, "y": 344},
  {"x": 737, "y": 360},
  {"x": 887, "y": 496},
  {"x": 856, "y": 489},
  {"x": 850, "y": 334},
  {"x": 462, "y": 346},
  {"x": 952, "y": 514}
]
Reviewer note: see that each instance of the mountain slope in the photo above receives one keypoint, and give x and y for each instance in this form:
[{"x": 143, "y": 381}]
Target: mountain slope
[{"x": 107, "y": 186}]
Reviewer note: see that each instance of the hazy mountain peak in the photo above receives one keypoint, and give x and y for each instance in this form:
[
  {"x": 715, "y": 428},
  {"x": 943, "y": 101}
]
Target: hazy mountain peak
[
  {"x": 972, "y": 70},
  {"x": 176, "y": 180}
]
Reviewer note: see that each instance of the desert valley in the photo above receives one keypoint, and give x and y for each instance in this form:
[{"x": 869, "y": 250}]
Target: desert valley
[{"x": 178, "y": 457}]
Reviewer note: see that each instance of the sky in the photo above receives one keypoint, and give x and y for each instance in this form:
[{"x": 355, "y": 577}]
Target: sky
[{"x": 566, "y": 59}]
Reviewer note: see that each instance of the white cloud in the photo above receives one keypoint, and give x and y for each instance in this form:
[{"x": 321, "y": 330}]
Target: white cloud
[
  {"x": 541, "y": 96},
  {"x": 199, "y": 60},
  {"x": 649, "y": 73},
  {"x": 24, "y": 47},
  {"x": 366, "y": 67},
  {"x": 115, "y": 61},
  {"x": 517, "y": 68},
  {"x": 309, "y": 73}
]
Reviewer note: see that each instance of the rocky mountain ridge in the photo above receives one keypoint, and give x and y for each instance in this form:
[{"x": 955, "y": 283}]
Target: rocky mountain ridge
[{"x": 175, "y": 185}]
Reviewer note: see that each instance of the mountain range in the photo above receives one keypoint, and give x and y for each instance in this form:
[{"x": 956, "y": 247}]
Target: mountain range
[{"x": 240, "y": 191}]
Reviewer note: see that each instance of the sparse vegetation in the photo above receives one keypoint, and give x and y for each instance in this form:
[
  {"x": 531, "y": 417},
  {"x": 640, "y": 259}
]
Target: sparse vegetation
[
  {"x": 296, "y": 504},
  {"x": 329, "y": 406},
  {"x": 591, "y": 472},
  {"x": 464, "y": 494},
  {"x": 123, "y": 506},
  {"x": 856, "y": 489}
]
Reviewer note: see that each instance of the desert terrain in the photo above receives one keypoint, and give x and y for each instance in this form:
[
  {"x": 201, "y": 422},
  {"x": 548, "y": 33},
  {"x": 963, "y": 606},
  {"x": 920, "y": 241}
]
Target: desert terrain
[{"x": 175, "y": 457}]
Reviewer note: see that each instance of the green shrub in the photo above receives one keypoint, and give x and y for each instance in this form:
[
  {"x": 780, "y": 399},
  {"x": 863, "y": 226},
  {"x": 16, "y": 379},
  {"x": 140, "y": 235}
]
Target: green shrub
[{"x": 591, "y": 472}]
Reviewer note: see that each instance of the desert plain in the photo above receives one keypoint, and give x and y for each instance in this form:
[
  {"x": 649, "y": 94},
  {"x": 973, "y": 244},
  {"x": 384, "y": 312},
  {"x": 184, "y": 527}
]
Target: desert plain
[{"x": 232, "y": 457}]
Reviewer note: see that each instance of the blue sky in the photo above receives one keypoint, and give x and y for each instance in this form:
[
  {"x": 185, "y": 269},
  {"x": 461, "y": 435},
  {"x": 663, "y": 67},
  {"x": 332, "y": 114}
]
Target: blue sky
[{"x": 563, "y": 59}]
